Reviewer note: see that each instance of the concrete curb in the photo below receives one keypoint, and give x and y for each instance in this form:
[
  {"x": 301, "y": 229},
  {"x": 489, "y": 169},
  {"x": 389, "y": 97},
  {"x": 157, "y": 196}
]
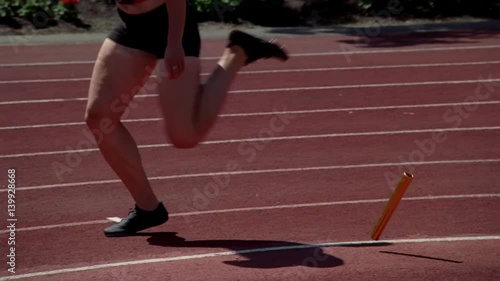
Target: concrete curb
[{"x": 220, "y": 31}]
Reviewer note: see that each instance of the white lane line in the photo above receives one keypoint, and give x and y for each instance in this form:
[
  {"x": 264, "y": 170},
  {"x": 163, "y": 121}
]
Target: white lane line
[
  {"x": 321, "y": 204},
  {"x": 364, "y": 86},
  {"x": 370, "y": 67},
  {"x": 448, "y": 239},
  {"x": 312, "y": 54},
  {"x": 276, "y": 207},
  {"x": 49, "y": 63},
  {"x": 289, "y": 112},
  {"x": 50, "y": 100},
  {"x": 266, "y": 171},
  {"x": 51, "y": 125},
  {"x": 252, "y": 209},
  {"x": 71, "y": 224},
  {"x": 384, "y": 51},
  {"x": 283, "y": 138},
  {"x": 312, "y": 88},
  {"x": 52, "y": 80},
  {"x": 324, "y": 69}
]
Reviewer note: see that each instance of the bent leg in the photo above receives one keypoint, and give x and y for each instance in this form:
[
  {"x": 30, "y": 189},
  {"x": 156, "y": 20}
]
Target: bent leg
[
  {"x": 190, "y": 108},
  {"x": 119, "y": 73}
]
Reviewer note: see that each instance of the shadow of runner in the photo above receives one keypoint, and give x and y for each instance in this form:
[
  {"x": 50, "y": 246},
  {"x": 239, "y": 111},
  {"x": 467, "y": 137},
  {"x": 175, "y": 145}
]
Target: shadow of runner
[
  {"x": 258, "y": 253},
  {"x": 420, "y": 256},
  {"x": 421, "y": 38},
  {"x": 379, "y": 28}
]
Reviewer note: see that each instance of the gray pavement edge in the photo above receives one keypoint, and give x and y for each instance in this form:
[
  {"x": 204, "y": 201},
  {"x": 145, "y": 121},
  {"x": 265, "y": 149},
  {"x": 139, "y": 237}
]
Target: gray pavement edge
[{"x": 220, "y": 31}]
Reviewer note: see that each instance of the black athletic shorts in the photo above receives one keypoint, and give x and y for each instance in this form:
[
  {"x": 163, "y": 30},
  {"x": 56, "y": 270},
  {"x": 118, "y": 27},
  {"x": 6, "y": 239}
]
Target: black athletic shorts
[{"x": 149, "y": 32}]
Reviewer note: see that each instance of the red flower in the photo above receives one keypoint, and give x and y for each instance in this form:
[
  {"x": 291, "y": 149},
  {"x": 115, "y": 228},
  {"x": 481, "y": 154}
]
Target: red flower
[{"x": 69, "y": 2}]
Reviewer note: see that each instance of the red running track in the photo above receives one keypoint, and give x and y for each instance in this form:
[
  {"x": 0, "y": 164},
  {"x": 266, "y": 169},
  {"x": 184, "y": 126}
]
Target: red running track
[{"x": 296, "y": 202}]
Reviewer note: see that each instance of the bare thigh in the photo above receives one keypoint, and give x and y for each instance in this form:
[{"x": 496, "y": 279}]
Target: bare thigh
[
  {"x": 178, "y": 102},
  {"x": 119, "y": 74}
]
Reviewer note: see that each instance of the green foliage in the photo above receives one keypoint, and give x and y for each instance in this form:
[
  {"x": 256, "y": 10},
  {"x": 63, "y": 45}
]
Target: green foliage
[
  {"x": 209, "y": 6},
  {"x": 365, "y": 3},
  {"x": 276, "y": 12},
  {"x": 218, "y": 10},
  {"x": 439, "y": 8},
  {"x": 38, "y": 12},
  {"x": 271, "y": 12},
  {"x": 6, "y": 8},
  {"x": 32, "y": 7}
]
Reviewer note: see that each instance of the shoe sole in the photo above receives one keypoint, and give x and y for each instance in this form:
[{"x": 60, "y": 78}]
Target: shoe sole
[
  {"x": 122, "y": 234},
  {"x": 275, "y": 50}
]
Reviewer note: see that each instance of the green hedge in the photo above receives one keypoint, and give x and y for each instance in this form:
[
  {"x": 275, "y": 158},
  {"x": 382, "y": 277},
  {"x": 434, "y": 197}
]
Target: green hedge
[
  {"x": 39, "y": 12},
  {"x": 440, "y": 8},
  {"x": 299, "y": 12},
  {"x": 273, "y": 12},
  {"x": 220, "y": 10}
]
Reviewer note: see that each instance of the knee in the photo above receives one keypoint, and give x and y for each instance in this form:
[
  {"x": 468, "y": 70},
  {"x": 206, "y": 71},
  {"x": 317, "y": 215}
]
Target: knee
[
  {"x": 183, "y": 143},
  {"x": 100, "y": 120},
  {"x": 182, "y": 140},
  {"x": 93, "y": 116}
]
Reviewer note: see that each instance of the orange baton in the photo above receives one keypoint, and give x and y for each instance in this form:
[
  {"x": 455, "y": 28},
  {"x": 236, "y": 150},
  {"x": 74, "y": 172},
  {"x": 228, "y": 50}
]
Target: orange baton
[{"x": 391, "y": 205}]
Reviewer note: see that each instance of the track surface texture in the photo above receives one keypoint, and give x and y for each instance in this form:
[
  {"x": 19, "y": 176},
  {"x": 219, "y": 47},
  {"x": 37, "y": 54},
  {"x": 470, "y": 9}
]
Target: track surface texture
[{"x": 292, "y": 178}]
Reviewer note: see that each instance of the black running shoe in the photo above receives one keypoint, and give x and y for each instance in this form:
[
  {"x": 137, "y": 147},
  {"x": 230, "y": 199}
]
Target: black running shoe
[
  {"x": 256, "y": 48},
  {"x": 138, "y": 220}
]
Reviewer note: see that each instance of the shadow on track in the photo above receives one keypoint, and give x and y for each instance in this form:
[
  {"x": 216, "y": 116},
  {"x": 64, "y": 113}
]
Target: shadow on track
[
  {"x": 420, "y": 256},
  {"x": 257, "y": 253},
  {"x": 420, "y": 38}
]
